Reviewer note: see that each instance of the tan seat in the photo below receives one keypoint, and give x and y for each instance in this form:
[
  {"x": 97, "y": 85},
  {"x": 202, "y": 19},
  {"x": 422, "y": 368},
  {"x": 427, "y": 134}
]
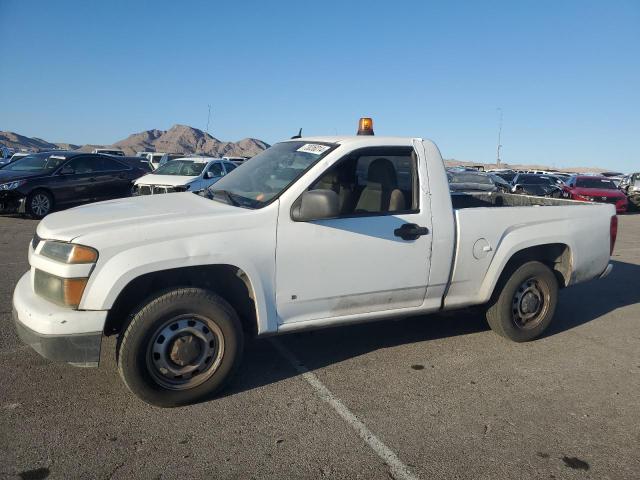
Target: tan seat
[{"x": 381, "y": 193}]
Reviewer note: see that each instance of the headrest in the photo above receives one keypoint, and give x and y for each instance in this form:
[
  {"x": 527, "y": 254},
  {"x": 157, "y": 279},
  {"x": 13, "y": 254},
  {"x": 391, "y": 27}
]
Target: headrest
[{"x": 382, "y": 171}]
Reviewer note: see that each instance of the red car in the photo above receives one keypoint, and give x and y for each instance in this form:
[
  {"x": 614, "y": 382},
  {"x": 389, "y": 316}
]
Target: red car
[{"x": 595, "y": 189}]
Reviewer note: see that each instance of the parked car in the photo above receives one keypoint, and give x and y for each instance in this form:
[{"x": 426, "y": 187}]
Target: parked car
[
  {"x": 153, "y": 158},
  {"x": 630, "y": 185},
  {"x": 473, "y": 181},
  {"x": 13, "y": 158},
  {"x": 596, "y": 189},
  {"x": 167, "y": 157},
  {"x": 38, "y": 183},
  {"x": 191, "y": 174},
  {"x": 109, "y": 151},
  {"x": 310, "y": 233},
  {"x": 506, "y": 174},
  {"x": 236, "y": 160},
  {"x": 536, "y": 185}
]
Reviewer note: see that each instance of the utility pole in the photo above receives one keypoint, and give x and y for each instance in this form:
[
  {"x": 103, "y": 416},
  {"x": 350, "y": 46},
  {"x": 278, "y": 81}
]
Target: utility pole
[
  {"x": 499, "y": 135},
  {"x": 208, "y": 118}
]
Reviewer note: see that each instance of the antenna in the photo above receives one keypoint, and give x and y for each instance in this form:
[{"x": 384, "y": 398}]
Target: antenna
[
  {"x": 499, "y": 135},
  {"x": 208, "y": 117},
  {"x": 299, "y": 135}
]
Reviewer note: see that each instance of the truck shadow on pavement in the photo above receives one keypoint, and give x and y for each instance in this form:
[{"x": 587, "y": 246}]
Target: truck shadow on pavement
[{"x": 578, "y": 305}]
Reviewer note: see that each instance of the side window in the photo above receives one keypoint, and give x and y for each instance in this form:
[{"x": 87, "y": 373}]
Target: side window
[
  {"x": 83, "y": 165},
  {"x": 229, "y": 166},
  {"x": 374, "y": 180},
  {"x": 216, "y": 169},
  {"x": 109, "y": 165}
]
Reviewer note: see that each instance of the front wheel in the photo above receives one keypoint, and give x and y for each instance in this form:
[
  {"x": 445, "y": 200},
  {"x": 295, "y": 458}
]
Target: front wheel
[
  {"x": 180, "y": 348},
  {"x": 525, "y": 305},
  {"x": 39, "y": 204}
]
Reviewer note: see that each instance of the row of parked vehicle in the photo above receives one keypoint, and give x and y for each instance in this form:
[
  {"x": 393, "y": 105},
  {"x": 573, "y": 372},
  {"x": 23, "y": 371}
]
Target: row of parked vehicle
[
  {"x": 36, "y": 183},
  {"x": 588, "y": 187}
]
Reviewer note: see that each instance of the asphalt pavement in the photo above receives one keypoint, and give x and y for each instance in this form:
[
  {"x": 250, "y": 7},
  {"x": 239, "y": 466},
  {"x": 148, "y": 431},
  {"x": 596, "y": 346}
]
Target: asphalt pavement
[{"x": 429, "y": 397}]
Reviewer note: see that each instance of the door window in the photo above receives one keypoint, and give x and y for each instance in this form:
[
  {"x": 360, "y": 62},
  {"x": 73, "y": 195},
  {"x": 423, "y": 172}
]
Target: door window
[
  {"x": 216, "y": 169},
  {"x": 380, "y": 180},
  {"x": 109, "y": 165},
  {"x": 83, "y": 165}
]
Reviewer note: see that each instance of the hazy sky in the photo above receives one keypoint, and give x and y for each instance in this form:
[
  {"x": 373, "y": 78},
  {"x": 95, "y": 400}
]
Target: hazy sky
[{"x": 566, "y": 74}]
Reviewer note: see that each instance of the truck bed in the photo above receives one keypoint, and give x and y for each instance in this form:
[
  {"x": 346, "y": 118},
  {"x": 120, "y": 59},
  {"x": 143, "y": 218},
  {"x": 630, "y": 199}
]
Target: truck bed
[
  {"x": 496, "y": 199},
  {"x": 487, "y": 237}
]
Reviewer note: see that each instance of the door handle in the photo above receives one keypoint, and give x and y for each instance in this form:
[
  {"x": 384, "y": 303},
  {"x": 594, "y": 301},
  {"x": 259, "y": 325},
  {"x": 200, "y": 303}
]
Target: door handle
[
  {"x": 92, "y": 179},
  {"x": 410, "y": 231}
]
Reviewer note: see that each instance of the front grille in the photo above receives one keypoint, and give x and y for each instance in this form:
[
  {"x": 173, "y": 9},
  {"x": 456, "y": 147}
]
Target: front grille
[
  {"x": 162, "y": 189},
  {"x": 613, "y": 200},
  {"x": 155, "y": 189}
]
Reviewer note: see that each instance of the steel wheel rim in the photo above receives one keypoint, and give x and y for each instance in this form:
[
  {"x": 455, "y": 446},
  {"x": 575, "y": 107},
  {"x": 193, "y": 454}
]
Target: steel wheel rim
[
  {"x": 40, "y": 204},
  {"x": 185, "y": 352},
  {"x": 530, "y": 304}
]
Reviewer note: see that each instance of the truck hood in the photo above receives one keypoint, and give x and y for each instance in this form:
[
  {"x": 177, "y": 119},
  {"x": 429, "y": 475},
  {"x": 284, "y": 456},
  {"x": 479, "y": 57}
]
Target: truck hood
[
  {"x": 172, "y": 180},
  {"x": 144, "y": 217}
]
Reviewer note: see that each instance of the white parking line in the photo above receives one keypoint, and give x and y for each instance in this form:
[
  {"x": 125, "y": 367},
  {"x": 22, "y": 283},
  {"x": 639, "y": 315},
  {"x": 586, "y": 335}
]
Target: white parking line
[{"x": 399, "y": 470}]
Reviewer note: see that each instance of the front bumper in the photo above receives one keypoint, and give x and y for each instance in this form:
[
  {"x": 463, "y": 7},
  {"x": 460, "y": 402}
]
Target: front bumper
[
  {"x": 12, "y": 201},
  {"x": 57, "y": 333}
]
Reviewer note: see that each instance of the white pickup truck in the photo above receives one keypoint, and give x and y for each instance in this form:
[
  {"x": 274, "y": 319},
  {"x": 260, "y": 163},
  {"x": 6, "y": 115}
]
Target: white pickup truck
[{"x": 312, "y": 232}]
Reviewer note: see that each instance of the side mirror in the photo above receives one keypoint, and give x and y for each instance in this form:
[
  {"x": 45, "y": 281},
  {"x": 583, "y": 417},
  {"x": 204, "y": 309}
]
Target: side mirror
[
  {"x": 67, "y": 170},
  {"x": 316, "y": 205},
  {"x": 208, "y": 175}
]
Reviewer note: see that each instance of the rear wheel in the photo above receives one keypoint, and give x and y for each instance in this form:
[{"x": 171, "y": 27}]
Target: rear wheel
[
  {"x": 180, "y": 348},
  {"x": 39, "y": 204},
  {"x": 525, "y": 305}
]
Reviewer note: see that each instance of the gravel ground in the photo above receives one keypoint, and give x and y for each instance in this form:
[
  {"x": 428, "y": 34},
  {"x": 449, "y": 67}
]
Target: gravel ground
[{"x": 445, "y": 395}]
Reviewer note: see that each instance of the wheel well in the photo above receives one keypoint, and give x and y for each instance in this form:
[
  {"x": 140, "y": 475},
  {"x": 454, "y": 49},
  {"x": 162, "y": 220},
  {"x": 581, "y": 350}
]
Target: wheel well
[
  {"x": 228, "y": 281},
  {"x": 43, "y": 189},
  {"x": 557, "y": 256}
]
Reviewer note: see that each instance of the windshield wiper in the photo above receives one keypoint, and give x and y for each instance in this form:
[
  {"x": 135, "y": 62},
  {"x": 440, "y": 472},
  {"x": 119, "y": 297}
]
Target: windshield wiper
[{"x": 227, "y": 195}]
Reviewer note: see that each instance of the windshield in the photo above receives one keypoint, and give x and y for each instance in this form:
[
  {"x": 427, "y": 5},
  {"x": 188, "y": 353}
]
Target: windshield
[
  {"x": 257, "y": 181},
  {"x": 187, "y": 168},
  {"x": 533, "y": 180},
  {"x": 600, "y": 183},
  {"x": 35, "y": 163}
]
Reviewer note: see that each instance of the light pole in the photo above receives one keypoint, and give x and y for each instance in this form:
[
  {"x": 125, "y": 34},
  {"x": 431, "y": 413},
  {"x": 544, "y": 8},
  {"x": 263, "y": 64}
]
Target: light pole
[
  {"x": 208, "y": 117},
  {"x": 499, "y": 135}
]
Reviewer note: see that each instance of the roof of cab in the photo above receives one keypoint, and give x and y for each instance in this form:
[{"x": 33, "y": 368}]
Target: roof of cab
[{"x": 362, "y": 139}]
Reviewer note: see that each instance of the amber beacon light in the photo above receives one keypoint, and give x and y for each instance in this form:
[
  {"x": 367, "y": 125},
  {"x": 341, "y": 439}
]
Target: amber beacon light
[{"x": 365, "y": 126}]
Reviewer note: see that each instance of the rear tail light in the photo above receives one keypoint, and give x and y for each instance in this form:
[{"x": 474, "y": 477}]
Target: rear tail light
[{"x": 613, "y": 233}]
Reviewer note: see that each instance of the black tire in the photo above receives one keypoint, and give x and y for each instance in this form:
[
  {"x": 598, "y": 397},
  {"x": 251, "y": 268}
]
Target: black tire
[
  {"x": 205, "y": 324},
  {"x": 39, "y": 204},
  {"x": 524, "y": 306}
]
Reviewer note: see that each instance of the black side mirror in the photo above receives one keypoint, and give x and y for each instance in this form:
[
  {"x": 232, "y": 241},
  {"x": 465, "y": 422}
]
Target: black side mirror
[
  {"x": 316, "y": 205},
  {"x": 67, "y": 170}
]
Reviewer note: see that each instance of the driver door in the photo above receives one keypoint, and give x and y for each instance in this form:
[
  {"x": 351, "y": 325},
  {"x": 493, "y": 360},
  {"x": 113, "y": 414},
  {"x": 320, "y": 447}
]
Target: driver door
[{"x": 356, "y": 263}]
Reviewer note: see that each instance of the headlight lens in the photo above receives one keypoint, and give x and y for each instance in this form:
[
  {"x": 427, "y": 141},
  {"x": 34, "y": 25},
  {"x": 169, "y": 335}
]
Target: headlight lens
[
  {"x": 69, "y": 252},
  {"x": 66, "y": 292},
  {"x": 12, "y": 185}
]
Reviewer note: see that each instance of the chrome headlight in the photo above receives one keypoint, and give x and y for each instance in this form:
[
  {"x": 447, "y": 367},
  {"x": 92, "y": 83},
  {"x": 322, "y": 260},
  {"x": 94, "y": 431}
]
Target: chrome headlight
[
  {"x": 70, "y": 253},
  {"x": 12, "y": 185}
]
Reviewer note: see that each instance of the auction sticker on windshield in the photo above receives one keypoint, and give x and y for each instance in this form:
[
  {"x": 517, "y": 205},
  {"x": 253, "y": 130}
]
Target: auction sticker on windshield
[{"x": 314, "y": 148}]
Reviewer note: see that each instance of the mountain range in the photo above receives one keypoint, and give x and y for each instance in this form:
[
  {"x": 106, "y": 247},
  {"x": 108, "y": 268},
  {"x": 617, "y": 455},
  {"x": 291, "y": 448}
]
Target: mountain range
[
  {"x": 178, "y": 139},
  {"x": 188, "y": 140}
]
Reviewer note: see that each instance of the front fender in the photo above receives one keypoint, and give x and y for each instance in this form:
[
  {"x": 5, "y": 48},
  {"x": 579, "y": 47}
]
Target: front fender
[{"x": 113, "y": 274}]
